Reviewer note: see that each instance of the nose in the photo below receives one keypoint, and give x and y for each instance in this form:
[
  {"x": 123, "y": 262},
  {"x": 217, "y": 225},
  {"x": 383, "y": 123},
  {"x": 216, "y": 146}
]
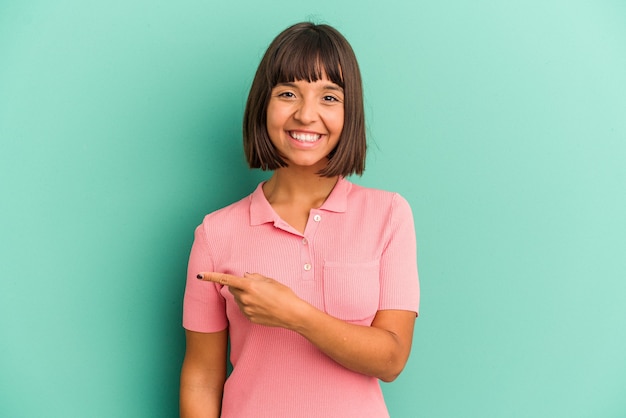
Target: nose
[{"x": 306, "y": 112}]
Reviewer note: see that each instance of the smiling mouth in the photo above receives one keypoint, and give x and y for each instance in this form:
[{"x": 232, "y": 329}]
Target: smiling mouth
[{"x": 304, "y": 137}]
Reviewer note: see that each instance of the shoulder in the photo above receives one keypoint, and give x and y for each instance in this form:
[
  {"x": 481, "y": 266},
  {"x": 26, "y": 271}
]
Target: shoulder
[
  {"x": 219, "y": 227},
  {"x": 224, "y": 220},
  {"x": 362, "y": 191},
  {"x": 235, "y": 209},
  {"x": 377, "y": 199}
]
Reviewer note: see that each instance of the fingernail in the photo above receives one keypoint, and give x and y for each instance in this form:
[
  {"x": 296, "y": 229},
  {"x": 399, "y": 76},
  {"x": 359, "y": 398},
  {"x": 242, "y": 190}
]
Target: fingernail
[{"x": 199, "y": 277}]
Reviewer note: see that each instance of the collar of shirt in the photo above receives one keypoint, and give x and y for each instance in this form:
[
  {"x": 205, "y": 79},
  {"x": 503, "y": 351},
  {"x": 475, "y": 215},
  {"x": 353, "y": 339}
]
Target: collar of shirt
[{"x": 261, "y": 211}]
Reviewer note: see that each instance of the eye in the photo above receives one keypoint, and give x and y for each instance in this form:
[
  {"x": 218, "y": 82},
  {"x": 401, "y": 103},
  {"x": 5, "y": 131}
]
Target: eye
[
  {"x": 286, "y": 94},
  {"x": 329, "y": 98}
]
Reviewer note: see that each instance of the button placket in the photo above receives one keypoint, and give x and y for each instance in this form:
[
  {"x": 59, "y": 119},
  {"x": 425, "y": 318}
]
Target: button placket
[
  {"x": 306, "y": 247},
  {"x": 305, "y": 259}
]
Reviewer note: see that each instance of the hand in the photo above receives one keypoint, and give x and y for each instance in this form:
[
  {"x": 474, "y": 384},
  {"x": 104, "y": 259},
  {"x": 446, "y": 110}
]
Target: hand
[{"x": 262, "y": 300}]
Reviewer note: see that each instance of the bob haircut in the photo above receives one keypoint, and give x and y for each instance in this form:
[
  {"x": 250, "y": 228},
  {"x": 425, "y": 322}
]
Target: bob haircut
[{"x": 306, "y": 51}]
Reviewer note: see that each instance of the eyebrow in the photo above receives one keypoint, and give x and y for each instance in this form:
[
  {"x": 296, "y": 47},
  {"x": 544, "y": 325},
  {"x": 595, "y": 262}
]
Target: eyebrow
[{"x": 332, "y": 86}]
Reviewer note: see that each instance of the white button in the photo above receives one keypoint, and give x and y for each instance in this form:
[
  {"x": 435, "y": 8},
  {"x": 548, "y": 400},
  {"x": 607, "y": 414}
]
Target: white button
[
  {"x": 317, "y": 218},
  {"x": 307, "y": 267},
  {"x": 305, "y": 241}
]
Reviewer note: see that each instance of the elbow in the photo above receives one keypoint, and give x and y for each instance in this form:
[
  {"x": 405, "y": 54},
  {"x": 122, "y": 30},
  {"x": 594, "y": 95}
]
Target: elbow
[
  {"x": 392, "y": 371},
  {"x": 394, "y": 354},
  {"x": 390, "y": 375},
  {"x": 390, "y": 378}
]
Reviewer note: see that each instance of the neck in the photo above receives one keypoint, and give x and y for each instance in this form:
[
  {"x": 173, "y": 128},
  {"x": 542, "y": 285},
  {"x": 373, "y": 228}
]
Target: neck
[{"x": 288, "y": 186}]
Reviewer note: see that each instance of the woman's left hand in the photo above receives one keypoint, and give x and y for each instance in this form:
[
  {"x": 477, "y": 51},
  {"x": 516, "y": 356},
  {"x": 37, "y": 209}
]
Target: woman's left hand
[{"x": 262, "y": 300}]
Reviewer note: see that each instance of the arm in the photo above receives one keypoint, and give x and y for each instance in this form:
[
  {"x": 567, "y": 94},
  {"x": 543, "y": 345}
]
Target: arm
[
  {"x": 203, "y": 374},
  {"x": 379, "y": 350}
]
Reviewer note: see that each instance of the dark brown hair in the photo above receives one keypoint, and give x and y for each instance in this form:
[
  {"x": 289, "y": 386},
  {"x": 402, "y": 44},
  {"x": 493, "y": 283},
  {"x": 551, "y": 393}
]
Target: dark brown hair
[{"x": 306, "y": 51}]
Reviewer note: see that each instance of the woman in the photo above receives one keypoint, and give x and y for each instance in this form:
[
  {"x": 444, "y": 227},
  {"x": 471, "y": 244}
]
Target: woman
[{"x": 312, "y": 279}]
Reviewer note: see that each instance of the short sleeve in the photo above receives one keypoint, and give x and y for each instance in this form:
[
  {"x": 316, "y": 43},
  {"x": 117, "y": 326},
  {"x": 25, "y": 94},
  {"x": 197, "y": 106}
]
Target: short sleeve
[
  {"x": 398, "y": 265},
  {"x": 204, "y": 307}
]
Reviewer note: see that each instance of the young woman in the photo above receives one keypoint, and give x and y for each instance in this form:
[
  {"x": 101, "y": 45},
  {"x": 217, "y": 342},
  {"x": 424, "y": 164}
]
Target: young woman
[{"x": 312, "y": 279}]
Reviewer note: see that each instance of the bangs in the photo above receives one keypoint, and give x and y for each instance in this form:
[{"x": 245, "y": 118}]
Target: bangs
[{"x": 309, "y": 56}]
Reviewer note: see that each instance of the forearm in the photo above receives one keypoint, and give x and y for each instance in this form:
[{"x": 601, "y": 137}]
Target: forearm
[
  {"x": 199, "y": 402},
  {"x": 199, "y": 397},
  {"x": 203, "y": 374},
  {"x": 371, "y": 350}
]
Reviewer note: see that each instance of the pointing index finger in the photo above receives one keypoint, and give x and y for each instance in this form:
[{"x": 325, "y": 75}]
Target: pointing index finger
[{"x": 222, "y": 278}]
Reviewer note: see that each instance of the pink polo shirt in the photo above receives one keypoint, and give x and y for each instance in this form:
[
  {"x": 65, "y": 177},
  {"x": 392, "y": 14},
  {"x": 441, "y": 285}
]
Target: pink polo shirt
[{"x": 357, "y": 256}]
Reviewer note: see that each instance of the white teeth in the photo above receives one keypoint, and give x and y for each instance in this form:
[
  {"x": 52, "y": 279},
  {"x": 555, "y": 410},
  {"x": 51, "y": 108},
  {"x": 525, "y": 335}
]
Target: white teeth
[{"x": 305, "y": 137}]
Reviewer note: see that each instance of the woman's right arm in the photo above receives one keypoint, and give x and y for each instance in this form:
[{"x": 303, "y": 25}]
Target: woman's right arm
[{"x": 203, "y": 374}]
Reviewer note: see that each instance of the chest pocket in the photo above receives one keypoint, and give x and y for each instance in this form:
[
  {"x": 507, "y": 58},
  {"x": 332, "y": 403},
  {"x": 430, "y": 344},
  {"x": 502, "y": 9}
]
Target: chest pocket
[{"x": 351, "y": 291}]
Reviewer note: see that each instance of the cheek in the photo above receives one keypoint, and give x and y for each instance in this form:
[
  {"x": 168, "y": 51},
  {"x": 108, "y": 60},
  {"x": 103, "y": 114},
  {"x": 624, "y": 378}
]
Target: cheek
[
  {"x": 275, "y": 119},
  {"x": 338, "y": 122},
  {"x": 275, "y": 125},
  {"x": 271, "y": 126}
]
